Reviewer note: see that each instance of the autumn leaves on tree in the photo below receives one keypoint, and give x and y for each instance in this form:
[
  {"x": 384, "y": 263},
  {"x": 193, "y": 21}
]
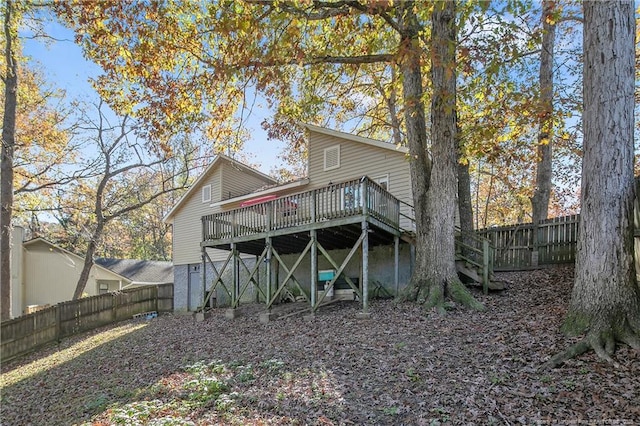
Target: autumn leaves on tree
[{"x": 473, "y": 89}]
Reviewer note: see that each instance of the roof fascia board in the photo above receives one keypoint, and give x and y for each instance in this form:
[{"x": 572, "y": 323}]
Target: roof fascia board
[{"x": 356, "y": 138}]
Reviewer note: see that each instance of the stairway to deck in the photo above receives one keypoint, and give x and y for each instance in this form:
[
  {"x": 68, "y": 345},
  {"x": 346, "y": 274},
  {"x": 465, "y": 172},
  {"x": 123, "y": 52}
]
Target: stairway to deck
[{"x": 474, "y": 259}]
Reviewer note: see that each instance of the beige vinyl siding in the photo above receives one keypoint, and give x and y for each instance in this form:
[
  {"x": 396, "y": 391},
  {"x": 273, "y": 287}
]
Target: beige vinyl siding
[
  {"x": 224, "y": 179},
  {"x": 236, "y": 181},
  {"x": 358, "y": 159},
  {"x": 50, "y": 275},
  {"x": 187, "y": 224}
]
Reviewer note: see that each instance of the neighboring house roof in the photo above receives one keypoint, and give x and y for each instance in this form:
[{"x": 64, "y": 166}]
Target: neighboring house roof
[
  {"x": 355, "y": 138},
  {"x": 216, "y": 161},
  {"x": 79, "y": 258},
  {"x": 139, "y": 271}
]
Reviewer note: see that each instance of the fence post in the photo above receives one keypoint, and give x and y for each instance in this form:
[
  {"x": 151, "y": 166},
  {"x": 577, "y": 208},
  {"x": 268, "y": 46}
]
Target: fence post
[
  {"x": 58, "y": 322},
  {"x": 536, "y": 245},
  {"x": 114, "y": 307},
  {"x": 485, "y": 266}
]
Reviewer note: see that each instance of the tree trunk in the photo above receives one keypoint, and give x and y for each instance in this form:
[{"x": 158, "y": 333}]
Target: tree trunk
[
  {"x": 393, "y": 111},
  {"x": 88, "y": 261},
  {"x": 434, "y": 181},
  {"x": 465, "y": 203},
  {"x": 8, "y": 147},
  {"x": 542, "y": 190},
  {"x": 605, "y": 302},
  {"x": 419, "y": 161}
]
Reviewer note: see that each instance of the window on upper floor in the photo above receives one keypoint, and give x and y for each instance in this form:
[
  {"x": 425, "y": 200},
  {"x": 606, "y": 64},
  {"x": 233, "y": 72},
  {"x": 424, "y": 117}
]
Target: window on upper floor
[
  {"x": 332, "y": 157},
  {"x": 206, "y": 194}
]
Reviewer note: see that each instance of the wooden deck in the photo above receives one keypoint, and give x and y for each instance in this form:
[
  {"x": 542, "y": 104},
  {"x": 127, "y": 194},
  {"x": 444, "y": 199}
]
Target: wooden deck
[
  {"x": 336, "y": 212},
  {"x": 353, "y": 215}
]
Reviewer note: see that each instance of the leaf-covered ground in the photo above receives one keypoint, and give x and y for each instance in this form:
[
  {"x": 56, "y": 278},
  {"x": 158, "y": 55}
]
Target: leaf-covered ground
[{"x": 402, "y": 366}]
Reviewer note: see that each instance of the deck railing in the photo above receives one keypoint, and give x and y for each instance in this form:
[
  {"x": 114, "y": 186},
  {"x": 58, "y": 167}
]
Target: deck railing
[{"x": 341, "y": 200}]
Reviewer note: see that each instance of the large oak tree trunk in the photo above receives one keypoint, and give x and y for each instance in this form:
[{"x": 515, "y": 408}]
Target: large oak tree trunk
[
  {"x": 420, "y": 161},
  {"x": 542, "y": 190},
  {"x": 605, "y": 302},
  {"x": 434, "y": 181},
  {"x": 8, "y": 146}
]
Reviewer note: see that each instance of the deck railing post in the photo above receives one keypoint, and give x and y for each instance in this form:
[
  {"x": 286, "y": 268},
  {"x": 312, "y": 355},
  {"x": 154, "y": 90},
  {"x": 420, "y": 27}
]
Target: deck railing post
[
  {"x": 233, "y": 223},
  {"x": 269, "y": 208},
  {"x": 313, "y": 207},
  {"x": 365, "y": 195}
]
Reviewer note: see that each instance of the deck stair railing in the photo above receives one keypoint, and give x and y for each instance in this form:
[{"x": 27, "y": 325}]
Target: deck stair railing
[{"x": 472, "y": 250}]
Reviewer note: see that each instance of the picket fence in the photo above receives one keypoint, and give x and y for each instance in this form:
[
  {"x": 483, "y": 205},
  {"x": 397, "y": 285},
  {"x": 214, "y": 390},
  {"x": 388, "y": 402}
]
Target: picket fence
[{"x": 32, "y": 331}]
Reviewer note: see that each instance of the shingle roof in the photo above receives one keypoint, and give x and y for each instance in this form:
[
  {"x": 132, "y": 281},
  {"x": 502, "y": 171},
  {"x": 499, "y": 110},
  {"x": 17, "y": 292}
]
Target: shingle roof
[{"x": 140, "y": 271}]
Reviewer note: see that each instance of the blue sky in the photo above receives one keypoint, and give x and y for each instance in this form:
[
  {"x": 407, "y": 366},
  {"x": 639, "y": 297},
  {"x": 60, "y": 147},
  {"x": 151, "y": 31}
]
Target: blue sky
[{"x": 65, "y": 67}]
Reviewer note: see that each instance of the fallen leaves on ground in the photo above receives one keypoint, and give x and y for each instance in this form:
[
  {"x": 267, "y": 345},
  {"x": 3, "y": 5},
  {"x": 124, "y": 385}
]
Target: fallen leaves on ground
[{"x": 401, "y": 366}]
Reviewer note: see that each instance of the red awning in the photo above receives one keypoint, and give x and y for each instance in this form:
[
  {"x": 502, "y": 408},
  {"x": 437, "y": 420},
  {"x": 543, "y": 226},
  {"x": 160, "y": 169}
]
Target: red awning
[{"x": 258, "y": 200}]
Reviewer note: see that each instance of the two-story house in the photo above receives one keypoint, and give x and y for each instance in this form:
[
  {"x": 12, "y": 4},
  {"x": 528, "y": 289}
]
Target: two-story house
[{"x": 257, "y": 240}]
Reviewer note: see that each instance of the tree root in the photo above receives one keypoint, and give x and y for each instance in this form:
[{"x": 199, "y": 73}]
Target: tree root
[
  {"x": 572, "y": 352},
  {"x": 459, "y": 293},
  {"x": 602, "y": 343},
  {"x": 434, "y": 296}
]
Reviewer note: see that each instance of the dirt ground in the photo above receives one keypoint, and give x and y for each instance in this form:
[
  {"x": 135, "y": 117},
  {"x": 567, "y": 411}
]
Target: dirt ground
[{"x": 401, "y": 366}]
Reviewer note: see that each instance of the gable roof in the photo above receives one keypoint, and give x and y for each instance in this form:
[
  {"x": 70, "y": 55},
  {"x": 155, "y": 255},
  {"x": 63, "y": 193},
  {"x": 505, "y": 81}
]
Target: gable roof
[
  {"x": 305, "y": 181},
  {"x": 215, "y": 163},
  {"x": 71, "y": 254},
  {"x": 140, "y": 271},
  {"x": 356, "y": 138}
]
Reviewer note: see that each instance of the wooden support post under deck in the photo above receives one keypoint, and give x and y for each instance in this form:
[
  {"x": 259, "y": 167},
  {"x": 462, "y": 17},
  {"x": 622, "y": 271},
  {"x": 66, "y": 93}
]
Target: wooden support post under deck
[
  {"x": 396, "y": 263},
  {"x": 314, "y": 268},
  {"x": 365, "y": 268},
  {"x": 203, "y": 279},
  {"x": 269, "y": 255},
  {"x": 234, "y": 298}
]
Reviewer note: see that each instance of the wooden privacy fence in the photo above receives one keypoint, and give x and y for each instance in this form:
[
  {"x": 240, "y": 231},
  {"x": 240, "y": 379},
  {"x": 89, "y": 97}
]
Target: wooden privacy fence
[
  {"x": 527, "y": 245},
  {"x": 29, "y": 332}
]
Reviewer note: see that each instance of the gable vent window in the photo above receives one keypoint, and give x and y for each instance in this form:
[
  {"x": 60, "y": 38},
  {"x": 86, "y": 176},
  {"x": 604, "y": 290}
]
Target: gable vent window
[
  {"x": 206, "y": 194},
  {"x": 332, "y": 158}
]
